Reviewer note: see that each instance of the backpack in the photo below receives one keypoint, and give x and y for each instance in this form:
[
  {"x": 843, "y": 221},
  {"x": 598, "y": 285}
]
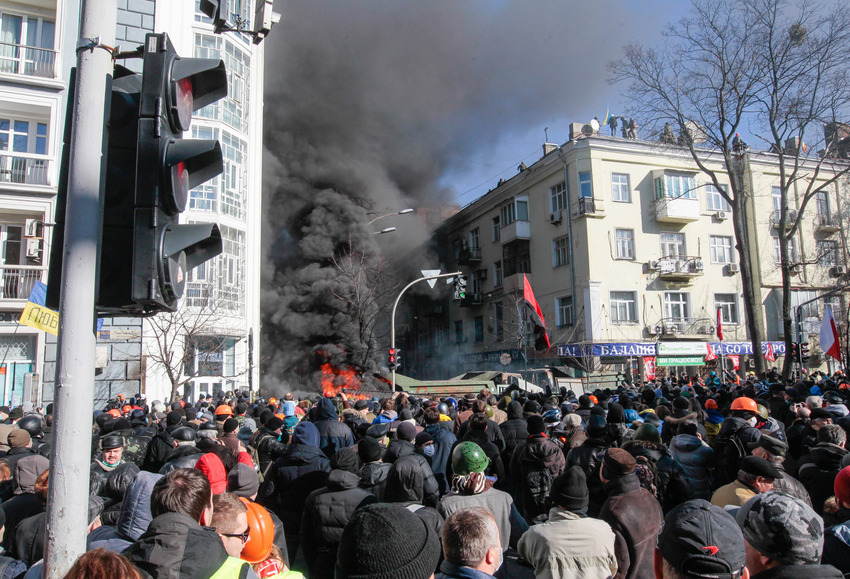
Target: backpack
[
  {"x": 730, "y": 450},
  {"x": 538, "y": 483}
]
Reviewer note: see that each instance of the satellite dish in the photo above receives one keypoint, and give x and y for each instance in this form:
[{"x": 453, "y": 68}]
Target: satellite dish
[
  {"x": 587, "y": 130},
  {"x": 594, "y": 124}
]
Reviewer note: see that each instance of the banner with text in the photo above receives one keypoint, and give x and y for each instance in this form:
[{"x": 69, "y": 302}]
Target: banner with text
[{"x": 628, "y": 349}]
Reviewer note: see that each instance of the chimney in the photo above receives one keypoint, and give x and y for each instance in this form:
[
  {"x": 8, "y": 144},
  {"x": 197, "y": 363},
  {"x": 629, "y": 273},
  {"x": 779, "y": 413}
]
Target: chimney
[
  {"x": 548, "y": 148},
  {"x": 575, "y": 130}
]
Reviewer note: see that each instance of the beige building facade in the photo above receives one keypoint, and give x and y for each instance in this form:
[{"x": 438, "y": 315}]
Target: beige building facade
[{"x": 626, "y": 244}]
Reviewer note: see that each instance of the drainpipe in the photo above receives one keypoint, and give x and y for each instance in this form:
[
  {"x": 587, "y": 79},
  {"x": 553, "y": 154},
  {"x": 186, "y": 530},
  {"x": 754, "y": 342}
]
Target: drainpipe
[{"x": 569, "y": 219}]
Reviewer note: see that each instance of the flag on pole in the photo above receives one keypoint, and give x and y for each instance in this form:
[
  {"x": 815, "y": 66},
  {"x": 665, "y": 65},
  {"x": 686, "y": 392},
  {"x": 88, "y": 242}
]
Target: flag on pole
[
  {"x": 719, "y": 324},
  {"x": 541, "y": 338},
  {"x": 649, "y": 367},
  {"x": 769, "y": 354},
  {"x": 829, "y": 334},
  {"x": 710, "y": 355},
  {"x": 736, "y": 361},
  {"x": 607, "y": 116}
]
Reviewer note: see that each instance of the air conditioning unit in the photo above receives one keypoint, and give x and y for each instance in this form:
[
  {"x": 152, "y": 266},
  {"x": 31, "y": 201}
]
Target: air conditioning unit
[
  {"x": 33, "y": 248},
  {"x": 720, "y": 216},
  {"x": 652, "y": 265},
  {"x": 556, "y": 217},
  {"x": 32, "y": 228},
  {"x": 732, "y": 268},
  {"x": 837, "y": 271}
]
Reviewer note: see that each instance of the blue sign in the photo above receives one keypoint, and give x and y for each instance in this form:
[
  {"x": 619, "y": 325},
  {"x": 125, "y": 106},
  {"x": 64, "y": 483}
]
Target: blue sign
[{"x": 628, "y": 349}]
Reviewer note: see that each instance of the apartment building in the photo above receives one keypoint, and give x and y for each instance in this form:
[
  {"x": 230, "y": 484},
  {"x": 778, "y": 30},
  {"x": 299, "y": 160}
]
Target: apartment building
[{"x": 626, "y": 245}]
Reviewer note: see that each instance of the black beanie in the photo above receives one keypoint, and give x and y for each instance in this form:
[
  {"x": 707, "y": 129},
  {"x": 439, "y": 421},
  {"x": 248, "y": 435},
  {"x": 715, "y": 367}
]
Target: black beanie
[
  {"x": 536, "y": 425},
  {"x": 230, "y": 425},
  {"x": 378, "y": 529},
  {"x": 570, "y": 490},
  {"x": 173, "y": 418},
  {"x": 370, "y": 449},
  {"x": 274, "y": 423}
]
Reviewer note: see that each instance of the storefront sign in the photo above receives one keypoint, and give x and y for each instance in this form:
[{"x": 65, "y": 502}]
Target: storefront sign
[
  {"x": 681, "y": 349},
  {"x": 681, "y": 361},
  {"x": 628, "y": 349},
  {"x": 623, "y": 349}
]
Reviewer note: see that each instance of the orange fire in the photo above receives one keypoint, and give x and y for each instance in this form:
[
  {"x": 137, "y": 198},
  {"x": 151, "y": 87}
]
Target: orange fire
[{"x": 340, "y": 381}]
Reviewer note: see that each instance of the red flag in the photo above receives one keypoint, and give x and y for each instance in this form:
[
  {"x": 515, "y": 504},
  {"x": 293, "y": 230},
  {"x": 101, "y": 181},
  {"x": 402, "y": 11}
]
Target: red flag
[
  {"x": 541, "y": 338},
  {"x": 829, "y": 342},
  {"x": 736, "y": 361},
  {"x": 649, "y": 367},
  {"x": 719, "y": 324},
  {"x": 710, "y": 355},
  {"x": 769, "y": 354}
]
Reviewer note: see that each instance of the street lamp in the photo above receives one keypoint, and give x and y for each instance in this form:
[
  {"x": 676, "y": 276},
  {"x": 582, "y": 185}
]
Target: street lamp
[
  {"x": 402, "y": 212},
  {"x": 384, "y": 230}
]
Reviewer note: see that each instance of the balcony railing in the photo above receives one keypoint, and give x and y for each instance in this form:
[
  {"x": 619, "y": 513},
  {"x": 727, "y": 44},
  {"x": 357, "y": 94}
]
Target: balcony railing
[
  {"x": 790, "y": 217},
  {"x": 16, "y": 281},
  {"x": 589, "y": 207},
  {"x": 825, "y": 223},
  {"x": 24, "y": 168},
  {"x": 27, "y": 60},
  {"x": 683, "y": 327},
  {"x": 678, "y": 267}
]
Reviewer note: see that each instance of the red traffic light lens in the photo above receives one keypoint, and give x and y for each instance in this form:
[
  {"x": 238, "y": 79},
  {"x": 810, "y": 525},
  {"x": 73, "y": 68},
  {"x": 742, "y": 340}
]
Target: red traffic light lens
[
  {"x": 179, "y": 187},
  {"x": 183, "y": 101}
]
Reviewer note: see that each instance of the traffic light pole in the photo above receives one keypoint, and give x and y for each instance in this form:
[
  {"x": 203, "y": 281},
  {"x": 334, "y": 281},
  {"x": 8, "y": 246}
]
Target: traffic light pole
[
  {"x": 799, "y": 310},
  {"x": 395, "y": 305},
  {"x": 67, "y": 505}
]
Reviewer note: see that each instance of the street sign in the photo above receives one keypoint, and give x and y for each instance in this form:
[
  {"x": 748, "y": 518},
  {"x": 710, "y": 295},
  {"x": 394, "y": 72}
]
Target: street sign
[
  {"x": 681, "y": 361},
  {"x": 681, "y": 349},
  {"x": 430, "y": 273}
]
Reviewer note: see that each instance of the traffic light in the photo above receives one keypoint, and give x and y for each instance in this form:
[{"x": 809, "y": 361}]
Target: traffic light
[
  {"x": 145, "y": 253},
  {"x": 460, "y": 288},
  {"x": 217, "y": 11},
  {"x": 392, "y": 360},
  {"x": 804, "y": 353},
  {"x": 795, "y": 352}
]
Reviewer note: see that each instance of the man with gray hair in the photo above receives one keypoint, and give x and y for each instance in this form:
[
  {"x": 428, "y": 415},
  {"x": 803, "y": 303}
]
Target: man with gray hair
[
  {"x": 471, "y": 545},
  {"x": 783, "y": 537}
]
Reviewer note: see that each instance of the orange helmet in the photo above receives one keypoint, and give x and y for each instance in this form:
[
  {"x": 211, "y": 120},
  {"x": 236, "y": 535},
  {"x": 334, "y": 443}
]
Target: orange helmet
[
  {"x": 224, "y": 410},
  {"x": 126, "y": 409},
  {"x": 114, "y": 413},
  {"x": 593, "y": 399},
  {"x": 273, "y": 401},
  {"x": 711, "y": 404},
  {"x": 260, "y": 533},
  {"x": 744, "y": 403}
]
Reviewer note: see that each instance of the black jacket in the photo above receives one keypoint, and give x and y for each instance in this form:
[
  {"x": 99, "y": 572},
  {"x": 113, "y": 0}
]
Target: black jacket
[
  {"x": 817, "y": 472},
  {"x": 333, "y": 434},
  {"x": 182, "y": 457},
  {"x": 444, "y": 440},
  {"x": 797, "y": 571},
  {"x": 494, "y": 433},
  {"x": 373, "y": 478},
  {"x": 670, "y": 477},
  {"x": 534, "y": 466},
  {"x": 176, "y": 547},
  {"x": 836, "y": 547},
  {"x": 18, "y": 508},
  {"x": 589, "y": 457},
  {"x": 158, "y": 451},
  {"x": 326, "y": 512},
  {"x": 268, "y": 448},
  {"x": 514, "y": 430},
  {"x": 731, "y": 445}
]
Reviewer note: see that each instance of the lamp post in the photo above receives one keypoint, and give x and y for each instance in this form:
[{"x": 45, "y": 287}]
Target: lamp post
[
  {"x": 384, "y": 230},
  {"x": 401, "y": 212}
]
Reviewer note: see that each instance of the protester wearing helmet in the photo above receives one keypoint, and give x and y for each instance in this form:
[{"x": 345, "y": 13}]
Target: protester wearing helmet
[{"x": 736, "y": 435}]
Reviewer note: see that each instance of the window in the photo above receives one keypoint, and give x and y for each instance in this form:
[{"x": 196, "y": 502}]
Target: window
[
  {"x": 508, "y": 213},
  {"x": 478, "y": 326},
  {"x": 26, "y": 137},
  {"x": 459, "y": 332},
  {"x": 585, "y": 184},
  {"x": 620, "y": 190},
  {"x": 673, "y": 245},
  {"x": 497, "y": 274},
  {"x": 728, "y": 306},
  {"x": 522, "y": 208},
  {"x": 776, "y": 198},
  {"x": 720, "y": 248},
  {"x": 211, "y": 356},
  {"x": 675, "y": 186},
  {"x": 558, "y": 197},
  {"x": 474, "y": 239},
  {"x": 26, "y": 44},
  {"x": 623, "y": 308},
  {"x": 499, "y": 315},
  {"x": 714, "y": 201},
  {"x": 676, "y": 305},
  {"x": 827, "y": 252},
  {"x": 837, "y": 308},
  {"x": 792, "y": 250},
  {"x": 560, "y": 251},
  {"x": 564, "y": 311},
  {"x": 497, "y": 228},
  {"x": 624, "y": 243},
  {"x": 822, "y": 203},
  {"x": 477, "y": 277}
]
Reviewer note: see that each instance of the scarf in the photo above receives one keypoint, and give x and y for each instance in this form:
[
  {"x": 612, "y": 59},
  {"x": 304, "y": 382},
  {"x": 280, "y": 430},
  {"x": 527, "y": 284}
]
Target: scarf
[{"x": 473, "y": 483}]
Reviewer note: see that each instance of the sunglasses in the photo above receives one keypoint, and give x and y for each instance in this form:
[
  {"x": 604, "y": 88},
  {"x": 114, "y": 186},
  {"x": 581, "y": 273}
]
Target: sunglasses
[{"x": 242, "y": 536}]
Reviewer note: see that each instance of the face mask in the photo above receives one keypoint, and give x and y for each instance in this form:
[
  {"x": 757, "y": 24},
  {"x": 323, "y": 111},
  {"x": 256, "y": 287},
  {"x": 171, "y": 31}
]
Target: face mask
[
  {"x": 428, "y": 450},
  {"x": 752, "y": 421}
]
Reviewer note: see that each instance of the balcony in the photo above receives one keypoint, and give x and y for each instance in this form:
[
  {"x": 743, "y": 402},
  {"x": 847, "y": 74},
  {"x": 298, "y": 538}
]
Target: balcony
[
  {"x": 677, "y": 210},
  {"x": 516, "y": 230},
  {"x": 24, "y": 168},
  {"x": 677, "y": 269},
  {"x": 589, "y": 207},
  {"x": 469, "y": 256},
  {"x": 826, "y": 224},
  {"x": 683, "y": 327},
  {"x": 27, "y": 60},
  {"x": 16, "y": 281},
  {"x": 790, "y": 217}
]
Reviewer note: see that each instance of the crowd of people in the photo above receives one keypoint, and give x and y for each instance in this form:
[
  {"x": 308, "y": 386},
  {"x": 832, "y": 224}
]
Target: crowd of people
[{"x": 694, "y": 478}]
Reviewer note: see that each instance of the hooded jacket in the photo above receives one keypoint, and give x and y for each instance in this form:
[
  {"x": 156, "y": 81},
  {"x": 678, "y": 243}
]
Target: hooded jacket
[
  {"x": 636, "y": 519},
  {"x": 818, "y": 470},
  {"x": 326, "y": 512},
  {"x": 697, "y": 460},
  {"x": 534, "y": 466},
  {"x": 175, "y": 546},
  {"x": 157, "y": 451},
  {"x": 514, "y": 430},
  {"x": 731, "y": 445},
  {"x": 373, "y": 478},
  {"x": 444, "y": 441},
  {"x": 333, "y": 434},
  {"x": 133, "y": 520},
  {"x": 589, "y": 456}
]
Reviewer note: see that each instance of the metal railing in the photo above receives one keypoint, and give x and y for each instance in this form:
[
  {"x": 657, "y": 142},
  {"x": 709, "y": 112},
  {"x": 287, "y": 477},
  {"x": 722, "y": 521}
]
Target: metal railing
[
  {"x": 684, "y": 326},
  {"x": 16, "y": 281},
  {"x": 27, "y": 60},
  {"x": 24, "y": 168},
  {"x": 679, "y": 265},
  {"x": 776, "y": 216}
]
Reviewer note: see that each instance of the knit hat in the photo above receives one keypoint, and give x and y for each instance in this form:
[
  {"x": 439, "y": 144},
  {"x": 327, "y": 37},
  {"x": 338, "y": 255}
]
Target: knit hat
[
  {"x": 289, "y": 408},
  {"x": 19, "y": 438},
  {"x": 782, "y": 528},
  {"x": 243, "y": 481},
  {"x": 406, "y": 431},
  {"x": 572, "y": 420},
  {"x": 346, "y": 459},
  {"x": 648, "y": 433},
  {"x": 702, "y": 540},
  {"x": 570, "y": 490},
  {"x": 596, "y": 426},
  {"x": 378, "y": 529},
  {"x": 370, "y": 450},
  {"x": 211, "y": 467},
  {"x": 536, "y": 424},
  {"x": 531, "y": 407},
  {"x": 617, "y": 463},
  {"x": 230, "y": 425},
  {"x": 842, "y": 486},
  {"x": 423, "y": 438}
]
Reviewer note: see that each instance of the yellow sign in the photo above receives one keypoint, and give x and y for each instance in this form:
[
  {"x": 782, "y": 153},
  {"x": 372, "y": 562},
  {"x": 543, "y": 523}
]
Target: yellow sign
[{"x": 40, "y": 318}]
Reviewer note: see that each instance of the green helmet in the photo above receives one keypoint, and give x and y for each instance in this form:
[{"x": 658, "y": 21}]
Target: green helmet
[{"x": 468, "y": 457}]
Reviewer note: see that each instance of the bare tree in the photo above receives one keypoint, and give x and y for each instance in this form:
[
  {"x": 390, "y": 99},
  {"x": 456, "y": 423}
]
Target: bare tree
[{"x": 769, "y": 67}]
